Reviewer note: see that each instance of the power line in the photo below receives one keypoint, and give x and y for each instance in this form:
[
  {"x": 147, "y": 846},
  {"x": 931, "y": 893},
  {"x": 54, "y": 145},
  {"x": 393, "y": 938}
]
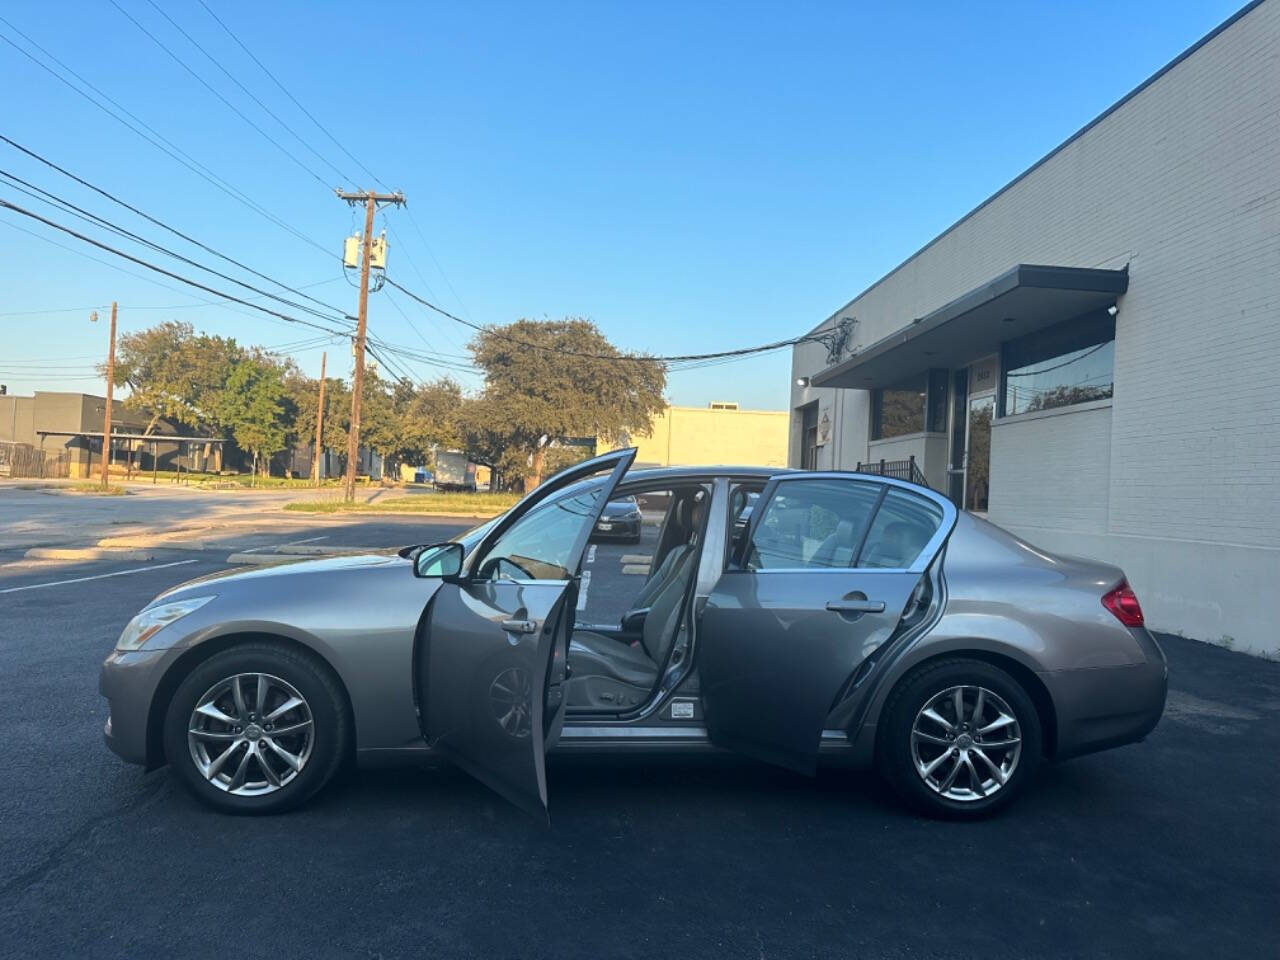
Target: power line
[
  {"x": 637, "y": 358},
  {"x": 154, "y": 137},
  {"x": 168, "y": 273},
  {"x": 249, "y": 93},
  {"x": 208, "y": 86},
  {"x": 60, "y": 203},
  {"x": 161, "y": 306},
  {"x": 286, "y": 92},
  {"x": 162, "y": 224},
  {"x": 296, "y": 102}
]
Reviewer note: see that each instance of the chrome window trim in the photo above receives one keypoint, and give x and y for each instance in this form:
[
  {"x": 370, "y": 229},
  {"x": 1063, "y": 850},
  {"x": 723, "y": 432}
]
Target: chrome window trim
[
  {"x": 528, "y": 583},
  {"x": 583, "y": 732}
]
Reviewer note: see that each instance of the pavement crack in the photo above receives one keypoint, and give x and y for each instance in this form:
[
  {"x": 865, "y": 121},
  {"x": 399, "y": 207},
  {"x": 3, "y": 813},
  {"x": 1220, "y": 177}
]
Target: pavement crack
[{"x": 55, "y": 857}]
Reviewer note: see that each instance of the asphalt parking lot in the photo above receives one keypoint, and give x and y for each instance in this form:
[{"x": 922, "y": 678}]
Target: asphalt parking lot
[{"x": 1169, "y": 848}]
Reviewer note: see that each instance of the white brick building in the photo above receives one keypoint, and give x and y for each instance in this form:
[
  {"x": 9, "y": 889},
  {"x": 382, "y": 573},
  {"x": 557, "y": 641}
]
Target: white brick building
[{"x": 1121, "y": 398}]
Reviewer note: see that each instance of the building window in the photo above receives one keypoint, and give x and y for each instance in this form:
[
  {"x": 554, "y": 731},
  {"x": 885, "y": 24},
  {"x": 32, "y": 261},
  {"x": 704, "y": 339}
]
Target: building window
[
  {"x": 1069, "y": 363},
  {"x": 936, "y": 420},
  {"x": 913, "y": 405},
  {"x": 809, "y": 436}
]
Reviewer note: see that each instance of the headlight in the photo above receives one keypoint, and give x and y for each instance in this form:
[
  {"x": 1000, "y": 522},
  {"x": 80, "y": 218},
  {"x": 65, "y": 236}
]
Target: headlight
[{"x": 152, "y": 620}]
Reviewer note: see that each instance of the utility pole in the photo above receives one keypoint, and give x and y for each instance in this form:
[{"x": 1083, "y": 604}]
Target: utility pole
[
  {"x": 371, "y": 201},
  {"x": 315, "y": 465},
  {"x": 106, "y": 419}
]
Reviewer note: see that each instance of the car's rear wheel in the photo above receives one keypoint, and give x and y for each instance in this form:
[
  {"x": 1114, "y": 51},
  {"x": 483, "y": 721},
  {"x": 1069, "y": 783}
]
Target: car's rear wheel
[
  {"x": 959, "y": 739},
  {"x": 257, "y": 728}
]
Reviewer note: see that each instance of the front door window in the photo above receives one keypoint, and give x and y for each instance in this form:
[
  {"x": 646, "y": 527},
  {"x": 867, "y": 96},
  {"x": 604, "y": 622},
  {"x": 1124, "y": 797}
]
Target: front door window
[{"x": 542, "y": 544}]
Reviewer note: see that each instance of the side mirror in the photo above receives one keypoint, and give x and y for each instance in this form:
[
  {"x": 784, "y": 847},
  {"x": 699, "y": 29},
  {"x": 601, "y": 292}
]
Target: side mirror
[{"x": 441, "y": 561}]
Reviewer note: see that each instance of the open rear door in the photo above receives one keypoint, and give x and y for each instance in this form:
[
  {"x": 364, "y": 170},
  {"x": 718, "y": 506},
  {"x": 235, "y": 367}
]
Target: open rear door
[
  {"x": 491, "y": 667},
  {"x": 829, "y": 567}
]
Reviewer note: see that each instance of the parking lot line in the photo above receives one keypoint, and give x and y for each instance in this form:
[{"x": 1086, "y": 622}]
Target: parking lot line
[{"x": 99, "y": 576}]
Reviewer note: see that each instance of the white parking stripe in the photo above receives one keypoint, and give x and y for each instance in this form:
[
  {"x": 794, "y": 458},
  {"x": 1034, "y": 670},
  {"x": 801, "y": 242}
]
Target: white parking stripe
[{"x": 100, "y": 576}]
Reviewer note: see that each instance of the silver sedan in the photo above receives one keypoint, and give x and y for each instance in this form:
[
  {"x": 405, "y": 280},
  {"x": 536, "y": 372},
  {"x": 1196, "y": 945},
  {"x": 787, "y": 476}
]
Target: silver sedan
[{"x": 854, "y": 619}]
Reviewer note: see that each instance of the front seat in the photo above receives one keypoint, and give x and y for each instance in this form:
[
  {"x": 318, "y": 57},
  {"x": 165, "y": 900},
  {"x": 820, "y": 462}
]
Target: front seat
[
  {"x": 681, "y": 517},
  {"x": 606, "y": 672}
]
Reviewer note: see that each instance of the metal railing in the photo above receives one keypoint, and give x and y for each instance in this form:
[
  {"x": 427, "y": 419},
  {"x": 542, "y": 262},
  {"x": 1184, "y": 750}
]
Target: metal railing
[{"x": 897, "y": 469}]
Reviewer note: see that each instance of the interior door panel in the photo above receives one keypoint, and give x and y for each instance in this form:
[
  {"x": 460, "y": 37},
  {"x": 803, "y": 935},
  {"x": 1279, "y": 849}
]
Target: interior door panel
[{"x": 491, "y": 648}]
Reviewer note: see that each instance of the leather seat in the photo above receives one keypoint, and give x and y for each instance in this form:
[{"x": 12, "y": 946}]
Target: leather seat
[
  {"x": 837, "y": 549},
  {"x": 607, "y": 671},
  {"x": 595, "y": 654},
  {"x": 683, "y": 516}
]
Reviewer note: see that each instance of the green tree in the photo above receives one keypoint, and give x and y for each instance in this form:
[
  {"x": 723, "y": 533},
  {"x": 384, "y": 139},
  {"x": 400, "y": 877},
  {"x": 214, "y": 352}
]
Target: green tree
[
  {"x": 426, "y": 417},
  {"x": 551, "y": 380},
  {"x": 172, "y": 372},
  {"x": 253, "y": 407}
]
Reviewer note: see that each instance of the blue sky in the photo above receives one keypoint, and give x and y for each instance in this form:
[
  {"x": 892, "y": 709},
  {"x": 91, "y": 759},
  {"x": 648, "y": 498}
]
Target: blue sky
[{"x": 692, "y": 177}]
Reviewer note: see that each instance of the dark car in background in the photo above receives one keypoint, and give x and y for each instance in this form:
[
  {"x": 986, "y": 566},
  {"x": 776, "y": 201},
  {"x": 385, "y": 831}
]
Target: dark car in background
[{"x": 620, "y": 520}]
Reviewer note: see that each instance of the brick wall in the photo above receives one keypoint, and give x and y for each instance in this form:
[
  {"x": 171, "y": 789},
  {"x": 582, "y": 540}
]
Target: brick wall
[{"x": 1182, "y": 182}]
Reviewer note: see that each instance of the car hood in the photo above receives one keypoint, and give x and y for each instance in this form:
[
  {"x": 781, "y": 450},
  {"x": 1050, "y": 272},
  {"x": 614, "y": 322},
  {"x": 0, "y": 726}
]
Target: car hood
[{"x": 291, "y": 568}]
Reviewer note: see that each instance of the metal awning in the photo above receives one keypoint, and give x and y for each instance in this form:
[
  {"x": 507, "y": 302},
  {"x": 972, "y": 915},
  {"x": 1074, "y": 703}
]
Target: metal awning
[
  {"x": 153, "y": 437},
  {"x": 1022, "y": 300}
]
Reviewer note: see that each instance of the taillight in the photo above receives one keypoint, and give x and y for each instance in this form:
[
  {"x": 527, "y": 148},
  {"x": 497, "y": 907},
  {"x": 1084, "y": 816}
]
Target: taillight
[{"x": 1123, "y": 604}]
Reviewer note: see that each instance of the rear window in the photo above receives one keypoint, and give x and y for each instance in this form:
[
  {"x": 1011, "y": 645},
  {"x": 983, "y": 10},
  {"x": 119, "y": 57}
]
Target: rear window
[
  {"x": 826, "y": 523},
  {"x": 902, "y": 527},
  {"x": 812, "y": 523}
]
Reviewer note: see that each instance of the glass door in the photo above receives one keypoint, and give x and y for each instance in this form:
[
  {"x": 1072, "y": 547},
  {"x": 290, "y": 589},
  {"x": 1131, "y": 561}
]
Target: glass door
[{"x": 977, "y": 484}]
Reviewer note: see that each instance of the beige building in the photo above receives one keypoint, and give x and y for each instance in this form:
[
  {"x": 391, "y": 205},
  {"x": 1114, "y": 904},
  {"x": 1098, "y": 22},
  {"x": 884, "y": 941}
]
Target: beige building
[{"x": 717, "y": 433}]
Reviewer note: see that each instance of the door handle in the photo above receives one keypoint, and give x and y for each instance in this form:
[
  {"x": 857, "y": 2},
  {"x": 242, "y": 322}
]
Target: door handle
[
  {"x": 855, "y": 606},
  {"x": 530, "y": 626}
]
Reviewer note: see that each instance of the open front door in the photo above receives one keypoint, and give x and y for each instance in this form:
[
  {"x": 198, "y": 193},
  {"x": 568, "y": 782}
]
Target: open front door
[
  {"x": 495, "y": 640},
  {"x": 830, "y": 565}
]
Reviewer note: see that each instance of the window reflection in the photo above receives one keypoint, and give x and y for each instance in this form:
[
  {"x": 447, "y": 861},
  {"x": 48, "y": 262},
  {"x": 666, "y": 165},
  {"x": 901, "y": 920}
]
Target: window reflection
[
  {"x": 1063, "y": 365},
  {"x": 1076, "y": 377},
  {"x": 899, "y": 409}
]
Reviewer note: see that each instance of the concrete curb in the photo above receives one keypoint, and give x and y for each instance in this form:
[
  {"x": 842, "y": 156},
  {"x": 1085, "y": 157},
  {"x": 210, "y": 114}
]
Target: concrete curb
[{"x": 85, "y": 553}]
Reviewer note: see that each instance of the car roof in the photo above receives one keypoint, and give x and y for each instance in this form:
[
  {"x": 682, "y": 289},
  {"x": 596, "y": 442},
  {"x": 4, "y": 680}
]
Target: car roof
[{"x": 693, "y": 473}]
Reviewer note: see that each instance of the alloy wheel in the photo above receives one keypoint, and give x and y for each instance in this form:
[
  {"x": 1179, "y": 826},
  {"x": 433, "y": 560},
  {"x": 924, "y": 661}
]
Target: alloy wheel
[
  {"x": 251, "y": 734},
  {"x": 965, "y": 743},
  {"x": 511, "y": 699}
]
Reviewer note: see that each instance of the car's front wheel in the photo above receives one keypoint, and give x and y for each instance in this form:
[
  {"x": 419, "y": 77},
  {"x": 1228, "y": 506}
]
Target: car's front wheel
[
  {"x": 959, "y": 738},
  {"x": 257, "y": 728}
]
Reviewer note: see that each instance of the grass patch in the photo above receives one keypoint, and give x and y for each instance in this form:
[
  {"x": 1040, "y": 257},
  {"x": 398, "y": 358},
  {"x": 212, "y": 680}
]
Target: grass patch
[
  {"x": 226, "y": 481},
  {"x": 468, "y": 504},
  {"x": 93, "y": 487},
  {"x": 244, "y": 480}
]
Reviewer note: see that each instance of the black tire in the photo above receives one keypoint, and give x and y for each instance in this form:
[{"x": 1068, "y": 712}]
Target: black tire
[
  {"x": 330, "y": 715},
  {"x": 894, "y": 756}
]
